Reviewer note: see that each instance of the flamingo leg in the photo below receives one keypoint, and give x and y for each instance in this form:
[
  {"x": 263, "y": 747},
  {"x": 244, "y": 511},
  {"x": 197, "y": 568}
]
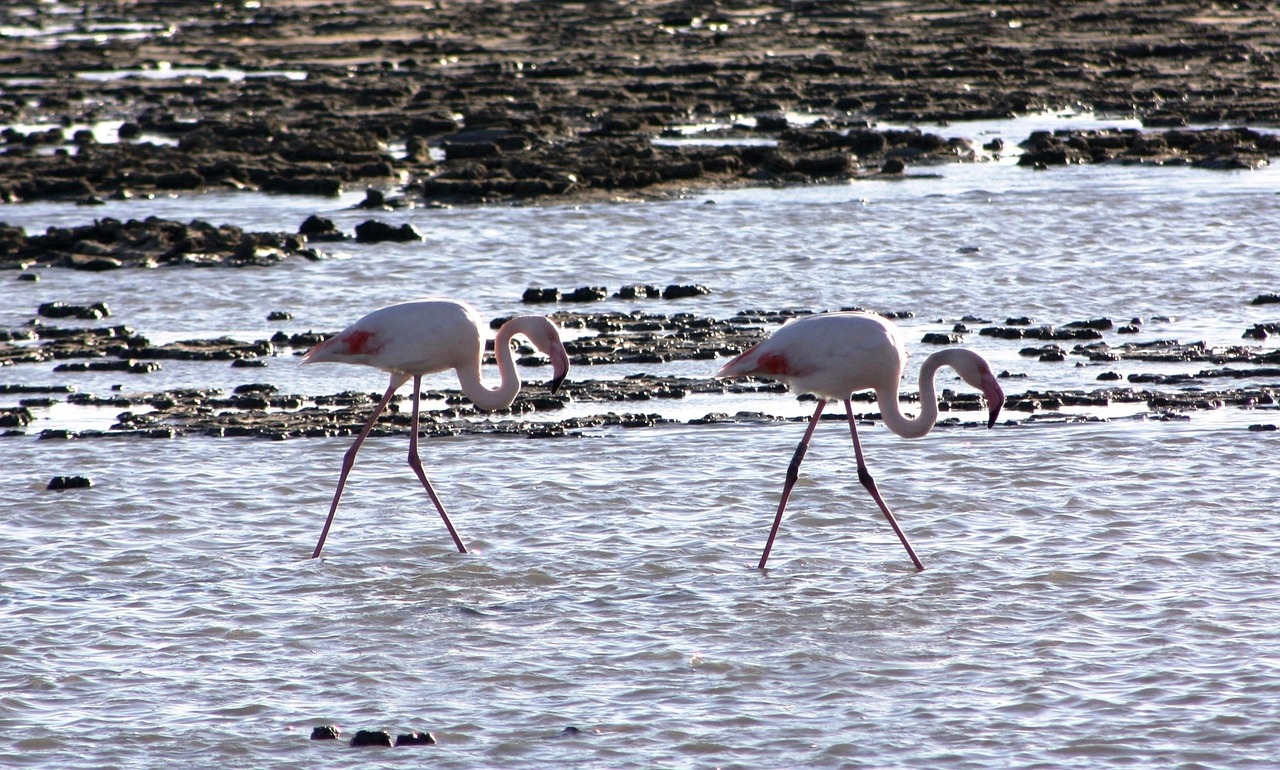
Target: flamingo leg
[
  {"x": 415, "y": 462},
  {"x": 793, "y": 472},
  {"x": 349, "y": 460},
  {"x": 864, "y": 476}
]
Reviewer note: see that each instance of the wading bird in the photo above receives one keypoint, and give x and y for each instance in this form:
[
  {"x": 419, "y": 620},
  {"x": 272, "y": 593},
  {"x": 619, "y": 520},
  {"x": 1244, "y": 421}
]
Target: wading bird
[
  {"x": 832, "y": 355},
  {"x": 412, "y": 339}
]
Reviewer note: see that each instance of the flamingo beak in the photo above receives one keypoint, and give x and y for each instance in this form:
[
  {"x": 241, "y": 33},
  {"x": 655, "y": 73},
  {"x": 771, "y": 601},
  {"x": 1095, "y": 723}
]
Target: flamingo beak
[
  {"x": 994, "y": 395},
  {"x": 559, "y": 368}
]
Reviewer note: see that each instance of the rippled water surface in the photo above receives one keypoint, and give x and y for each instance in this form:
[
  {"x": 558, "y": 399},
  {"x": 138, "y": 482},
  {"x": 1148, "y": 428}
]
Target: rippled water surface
[{"x": 1101, "y": 593}]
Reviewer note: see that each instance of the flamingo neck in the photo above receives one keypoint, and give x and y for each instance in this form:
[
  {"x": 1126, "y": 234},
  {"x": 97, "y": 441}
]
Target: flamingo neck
[
  {"x": 473, "y": 386},
  {"x": 891, "y": 410}
]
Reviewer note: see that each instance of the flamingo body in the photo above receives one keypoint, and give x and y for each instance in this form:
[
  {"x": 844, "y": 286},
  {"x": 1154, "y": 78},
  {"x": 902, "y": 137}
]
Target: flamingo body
[
  {"x": 414, "y": 339},
  {"x": 410, "y": 338},
  {"x": 832, "y": 356}
]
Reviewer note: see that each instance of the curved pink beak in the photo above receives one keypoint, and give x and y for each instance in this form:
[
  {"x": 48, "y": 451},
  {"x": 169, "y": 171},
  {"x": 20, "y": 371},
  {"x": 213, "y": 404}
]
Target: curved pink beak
[
  {"x": 994, "y": 395},
  {"x": 559, "y": 367}
]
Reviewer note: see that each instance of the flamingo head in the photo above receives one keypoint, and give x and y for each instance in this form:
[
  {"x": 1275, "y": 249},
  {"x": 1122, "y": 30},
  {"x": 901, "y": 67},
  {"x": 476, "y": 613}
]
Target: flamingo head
[
  {"x": 975, "y": 370},
  {"x": 991, "y": 389},
  {"x": 559, "y": 365},
  {"x": 545, "y": 336}
]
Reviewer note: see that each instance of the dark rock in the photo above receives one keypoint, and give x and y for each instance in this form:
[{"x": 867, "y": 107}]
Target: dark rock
[
  {"x": 1096, "y": 323},
  {"x": 637, "y": 292},
  {"x": 29, "y": 277},
  {"x": 84, "y": 312},
  {"x": 371, "y": 738},
  {"x": 675, "y": 291},
  {"x": 415, "y": 738},
  {"x": 320, "y": 229},
  {"x": 279, "y": 315},
  {"x": 19, "y": 417},
  {"x": 586, "y": 294},
  {"x": 893, "y": 166},
  {"x": 69, "y": 482},
  {"x": 936, "y": 338},
  {"x": 325, "y": 733},
  {"x": 533, "y": 296},
  {"x": 373, "y": 231},
  {"x": 1266, "y": 299}
]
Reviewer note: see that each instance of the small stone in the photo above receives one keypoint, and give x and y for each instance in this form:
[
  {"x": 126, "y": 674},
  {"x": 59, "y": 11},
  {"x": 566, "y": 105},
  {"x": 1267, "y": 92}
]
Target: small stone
[
  {"x": 69, "y": 482},
  {"x": 938, "y": 338},
  {"x": 372, "y": 738},
  {"x": 255, "y": 387},
  {"x": 637, "y": 292},
  {"x": 325, "y": 733},
  {"x": 29, "y": 277},
  {"x": 1266, "y": 299},
  {"x": 415, "y": 738},
  {"x": 532, "y": 296},
  {"x": 317, "y": 228},
  {"x": 279, "y": 315},
  {"x": 675, "y": 291},
  {"x": 373, "y": 231},
  {"x": 586, "y": 294},
  {"x": 92, "y": 312}
]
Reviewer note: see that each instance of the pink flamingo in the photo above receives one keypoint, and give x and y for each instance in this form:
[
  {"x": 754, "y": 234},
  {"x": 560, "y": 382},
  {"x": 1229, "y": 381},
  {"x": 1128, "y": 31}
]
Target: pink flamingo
[
  {"x": 416, "y": 338},
  {"x": 832, "y": 355}
]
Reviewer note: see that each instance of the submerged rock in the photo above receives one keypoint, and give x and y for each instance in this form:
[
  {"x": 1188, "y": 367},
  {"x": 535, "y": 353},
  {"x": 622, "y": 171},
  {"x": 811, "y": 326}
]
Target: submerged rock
[
  {"x": 69, "y": 482},
  {"x": 371, "y": 738}
]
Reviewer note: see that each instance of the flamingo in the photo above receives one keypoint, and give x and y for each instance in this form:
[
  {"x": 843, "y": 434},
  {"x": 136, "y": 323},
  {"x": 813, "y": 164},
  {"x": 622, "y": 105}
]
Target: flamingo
[
  {"x": 832, "y": 355},
  {"x": 412, "y": 339}
]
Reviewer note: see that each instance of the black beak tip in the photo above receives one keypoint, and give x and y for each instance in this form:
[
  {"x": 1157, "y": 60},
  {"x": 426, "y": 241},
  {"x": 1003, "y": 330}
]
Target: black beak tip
[{"x": 554, "y": 385}]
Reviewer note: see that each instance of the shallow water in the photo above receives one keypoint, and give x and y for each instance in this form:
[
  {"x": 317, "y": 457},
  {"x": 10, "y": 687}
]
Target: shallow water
[{"x": 1096, "y": 593}]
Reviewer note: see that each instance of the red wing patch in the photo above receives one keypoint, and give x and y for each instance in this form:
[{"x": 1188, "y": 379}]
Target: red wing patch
[
  {"x": 358, "y": 343},
  {"x": 773, "y": 363}
]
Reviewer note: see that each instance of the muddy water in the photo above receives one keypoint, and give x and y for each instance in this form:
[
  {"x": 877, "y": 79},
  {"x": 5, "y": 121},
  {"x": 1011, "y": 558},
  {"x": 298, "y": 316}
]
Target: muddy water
[{"x": 1099, "y": 592}]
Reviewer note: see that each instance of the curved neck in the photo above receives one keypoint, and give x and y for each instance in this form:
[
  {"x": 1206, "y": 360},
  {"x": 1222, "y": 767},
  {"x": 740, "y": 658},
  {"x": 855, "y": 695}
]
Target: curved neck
[
  {"x": 891, "y": 410},
  {"x": 481, "y": 395}
]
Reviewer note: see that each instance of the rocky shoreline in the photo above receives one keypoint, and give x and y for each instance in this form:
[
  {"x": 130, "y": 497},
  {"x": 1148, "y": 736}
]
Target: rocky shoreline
[
  {"x": 452, "y": 102},
  {"x": 638, "y": 338}
]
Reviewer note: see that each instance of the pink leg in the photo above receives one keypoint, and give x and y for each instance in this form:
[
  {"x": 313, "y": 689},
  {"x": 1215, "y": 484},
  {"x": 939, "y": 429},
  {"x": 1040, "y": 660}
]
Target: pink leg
[
  {"x": 415, "y": 462},
  {"x": 865, "y": 477},
  {"x": 350, "y": 459},
  {"x": 793, "y": 472}
]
